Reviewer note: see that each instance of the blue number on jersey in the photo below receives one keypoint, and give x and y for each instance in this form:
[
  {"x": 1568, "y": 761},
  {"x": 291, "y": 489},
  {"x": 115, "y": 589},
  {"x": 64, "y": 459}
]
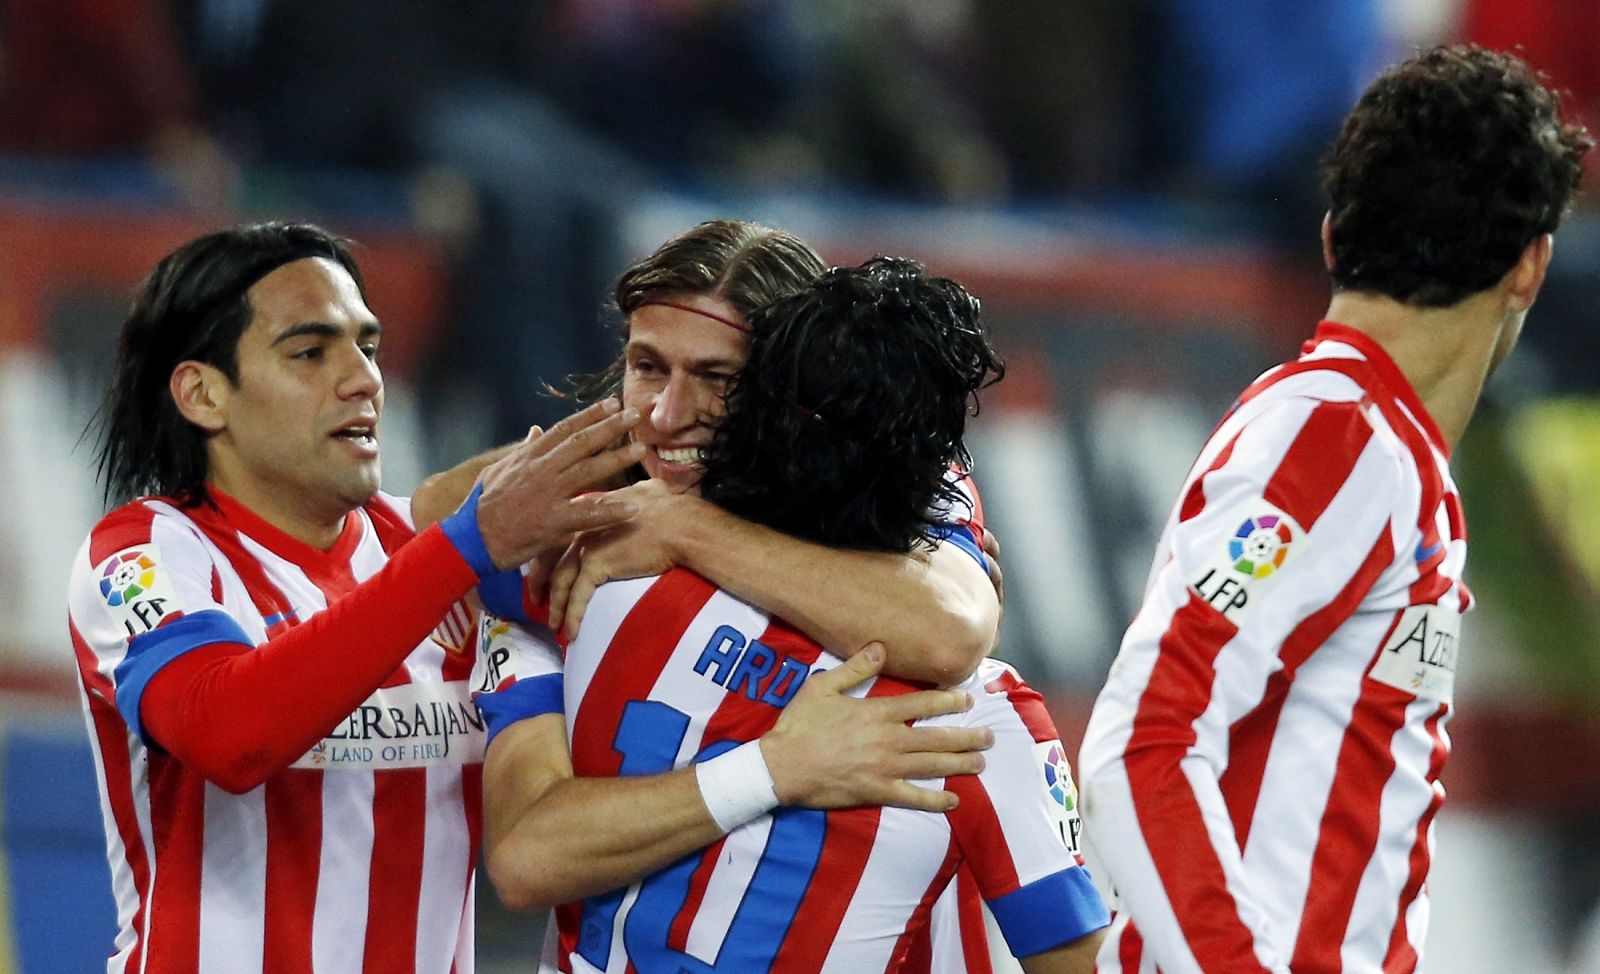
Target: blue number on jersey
[{"x": 648, "y": 738}]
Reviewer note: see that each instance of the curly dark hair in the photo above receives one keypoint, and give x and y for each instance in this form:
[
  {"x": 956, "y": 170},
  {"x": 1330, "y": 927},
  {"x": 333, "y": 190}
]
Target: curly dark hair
[
  {"x": 745, "y": 264},
  {"x": 843, "y": 424},
  {"x": 1447, "y": 168},
  {"x": 193, "y": 306}
]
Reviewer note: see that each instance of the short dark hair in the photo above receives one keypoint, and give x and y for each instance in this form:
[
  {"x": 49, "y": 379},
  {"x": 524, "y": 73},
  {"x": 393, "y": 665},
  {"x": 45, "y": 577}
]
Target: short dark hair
[
  {"x": 745, "y": 264},
  {"x": 1450, "y": 164},
  {"x": 193, "y": 306},
  {"x": 845, "y": 421}
]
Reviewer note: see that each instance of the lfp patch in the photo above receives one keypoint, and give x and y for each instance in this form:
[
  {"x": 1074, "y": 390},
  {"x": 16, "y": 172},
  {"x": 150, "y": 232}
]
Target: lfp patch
[
  {"x": 1264, "y": 540},
  {"x": 126, "y": 576},
  {"x": 1260, "y": 546},
  {"x": 137, "y": 592},
  {"x": 1057, "y": 775}
]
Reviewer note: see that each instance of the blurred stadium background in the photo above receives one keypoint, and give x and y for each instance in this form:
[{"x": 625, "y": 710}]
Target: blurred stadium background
[{"x": 1128, "y": 184}]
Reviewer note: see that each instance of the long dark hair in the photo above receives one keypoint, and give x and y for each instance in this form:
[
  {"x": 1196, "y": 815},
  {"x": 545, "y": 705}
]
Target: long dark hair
[
  {"x": 192, "y": 306},
  {"x": 745, "y": 264},
  {"x": 843, "y": 424}
]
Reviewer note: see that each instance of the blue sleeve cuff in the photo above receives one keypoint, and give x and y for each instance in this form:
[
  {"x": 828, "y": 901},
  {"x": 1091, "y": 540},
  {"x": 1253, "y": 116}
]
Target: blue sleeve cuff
[
  {"x": 462, "y": 530},
  {"x": 148, "y": 652},
  {"x": 533, "y": 697},
  {"x": 501, "y": 594},
  {"x": 1049, "y": 912},
  {"x": 962, "y": 537}
]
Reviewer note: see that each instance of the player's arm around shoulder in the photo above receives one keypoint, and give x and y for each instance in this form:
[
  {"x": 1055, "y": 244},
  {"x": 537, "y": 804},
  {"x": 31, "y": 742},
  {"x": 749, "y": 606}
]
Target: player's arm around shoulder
[
  {"x": 552, "y": 836},
  {"x": 936, "y": 612}
]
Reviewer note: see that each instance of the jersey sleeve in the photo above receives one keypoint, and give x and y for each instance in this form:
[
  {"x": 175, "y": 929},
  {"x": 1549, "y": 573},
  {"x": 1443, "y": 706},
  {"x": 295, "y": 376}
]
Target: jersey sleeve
[
  {"x": 518, "y": 673},
  {"x": 1278, "y": 535},
  {"x": 960, "y": 519},
  {"x": 144, "y": 592},
  {"x": 1017, "y": 823},
  {"x": 188, "y": 677}
]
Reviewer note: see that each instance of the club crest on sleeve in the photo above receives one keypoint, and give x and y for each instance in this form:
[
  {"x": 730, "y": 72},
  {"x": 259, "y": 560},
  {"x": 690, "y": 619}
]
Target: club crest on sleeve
[
  {"x": 1057, "y": 776},
  {"x": 1265, "y": 539},
  {"x": 136, "y": 591}
]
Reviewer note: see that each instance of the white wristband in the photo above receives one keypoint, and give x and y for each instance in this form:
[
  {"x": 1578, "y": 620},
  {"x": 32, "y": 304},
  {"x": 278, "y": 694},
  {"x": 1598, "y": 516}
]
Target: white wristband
[{"x": 736, "y": 786}]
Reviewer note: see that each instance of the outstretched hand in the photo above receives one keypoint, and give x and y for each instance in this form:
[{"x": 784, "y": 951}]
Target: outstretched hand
[
  {"x": 533, "y": 497},
  {"x": 830, "y": 750},
  {"x": 638, "y": 547}
]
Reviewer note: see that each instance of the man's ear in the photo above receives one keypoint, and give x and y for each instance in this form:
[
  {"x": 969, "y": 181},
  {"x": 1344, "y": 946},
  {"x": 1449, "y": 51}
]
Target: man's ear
[
  {"x": 1527, "y": 276},
  {"x": 201, "y": 394},
  {"x": 1327, "y": 240}
]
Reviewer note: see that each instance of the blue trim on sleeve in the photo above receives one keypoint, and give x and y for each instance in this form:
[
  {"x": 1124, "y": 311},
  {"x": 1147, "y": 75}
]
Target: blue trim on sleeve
[
  {"x": 962, "y": 537},
  {"x": 1049, "y": 912},
  {"x": 533, "y": 697},
  {"x": 463, "y": 531},
  {"x": 501, "y": 594},
  {"x": 148, "y": 652}
]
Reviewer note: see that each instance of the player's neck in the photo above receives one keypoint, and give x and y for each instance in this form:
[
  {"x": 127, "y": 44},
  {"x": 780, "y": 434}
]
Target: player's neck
[
  {"x": 1445, "y": 353},
  {"x": 318, "y": 528}
]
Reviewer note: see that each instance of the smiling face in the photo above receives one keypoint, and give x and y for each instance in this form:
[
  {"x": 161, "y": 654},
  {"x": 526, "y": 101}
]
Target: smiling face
[
  {"x": 676, "y": 367},
  {"x": 296, "y": 438}
]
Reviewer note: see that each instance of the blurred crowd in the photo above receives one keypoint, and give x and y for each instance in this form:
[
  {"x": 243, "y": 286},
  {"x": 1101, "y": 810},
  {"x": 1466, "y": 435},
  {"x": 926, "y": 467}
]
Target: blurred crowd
[{"x": 518, "y": 131}]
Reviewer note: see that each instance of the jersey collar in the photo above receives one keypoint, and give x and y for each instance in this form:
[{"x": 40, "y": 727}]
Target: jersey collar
[
  {"x": 1389, "y": 376},
  {"x": 285, "y": 546}
]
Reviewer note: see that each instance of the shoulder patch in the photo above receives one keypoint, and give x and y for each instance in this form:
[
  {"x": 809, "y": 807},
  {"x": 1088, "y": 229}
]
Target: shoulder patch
[
  {"x": 1264, "y": 541},
  {"x": 1057, "y": 780},
  {"x": 135, "y": 588}
]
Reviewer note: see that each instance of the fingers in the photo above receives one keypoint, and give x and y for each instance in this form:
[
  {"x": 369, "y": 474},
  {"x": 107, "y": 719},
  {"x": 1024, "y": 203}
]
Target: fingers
[
  {"x": 947, "y": 739},
  {"x": 938, "y": 764},
  {"x": 565, "y": 447},
  {"x": 904, "y": 794},
  {"x": 857, "y": 669},
  {"x": 578, "y": 421},
  {"x": 578, "y": 601},
  {"x": 599, "y": 469},
  {"x": 536, "y": 577},
  {"x": 561, "y": 579},
  {"x": 925, "y": 703},
  {"x": 591, "y": 512}
]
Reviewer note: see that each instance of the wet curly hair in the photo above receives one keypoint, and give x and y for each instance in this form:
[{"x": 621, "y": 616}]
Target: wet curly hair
[
  {"x": 1450, "y": 164},
  {"x": 843, "y": 424}
]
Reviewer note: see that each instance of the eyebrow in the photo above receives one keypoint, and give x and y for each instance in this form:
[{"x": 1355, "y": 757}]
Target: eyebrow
[{"x": 321, "y": 329}]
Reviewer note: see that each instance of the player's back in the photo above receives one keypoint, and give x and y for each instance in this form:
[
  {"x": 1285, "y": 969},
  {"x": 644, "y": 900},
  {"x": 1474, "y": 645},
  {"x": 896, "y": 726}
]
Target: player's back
[{"x": 670, "y": 670}]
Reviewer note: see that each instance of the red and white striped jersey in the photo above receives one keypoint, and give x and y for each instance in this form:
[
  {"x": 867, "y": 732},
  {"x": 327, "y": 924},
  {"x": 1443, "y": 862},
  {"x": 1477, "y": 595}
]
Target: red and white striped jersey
[
  {"x": 1261, "y": 771},
  {"x": 670, "y": 670},
  {"x": 358, "y": 857}
]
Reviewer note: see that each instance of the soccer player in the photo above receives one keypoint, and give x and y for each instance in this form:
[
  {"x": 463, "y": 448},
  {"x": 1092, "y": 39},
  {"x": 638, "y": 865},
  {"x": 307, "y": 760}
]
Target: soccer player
[
  {"x": 289, "y": 767},
  {"x": 1261, "y": 772},
  {"x": 865, "y": 378}
]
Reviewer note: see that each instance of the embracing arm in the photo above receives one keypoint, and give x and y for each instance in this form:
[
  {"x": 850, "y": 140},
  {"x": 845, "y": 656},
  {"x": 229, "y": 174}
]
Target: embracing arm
[
  {"x": 551, "y": 837},
  {"x": 935, "y": 612}
]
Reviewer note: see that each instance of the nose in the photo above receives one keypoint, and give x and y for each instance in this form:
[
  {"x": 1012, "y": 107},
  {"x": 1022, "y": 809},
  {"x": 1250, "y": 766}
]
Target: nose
[
  {"x": 361, "y": 378},
  {"x": 676, "y": 408}
]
